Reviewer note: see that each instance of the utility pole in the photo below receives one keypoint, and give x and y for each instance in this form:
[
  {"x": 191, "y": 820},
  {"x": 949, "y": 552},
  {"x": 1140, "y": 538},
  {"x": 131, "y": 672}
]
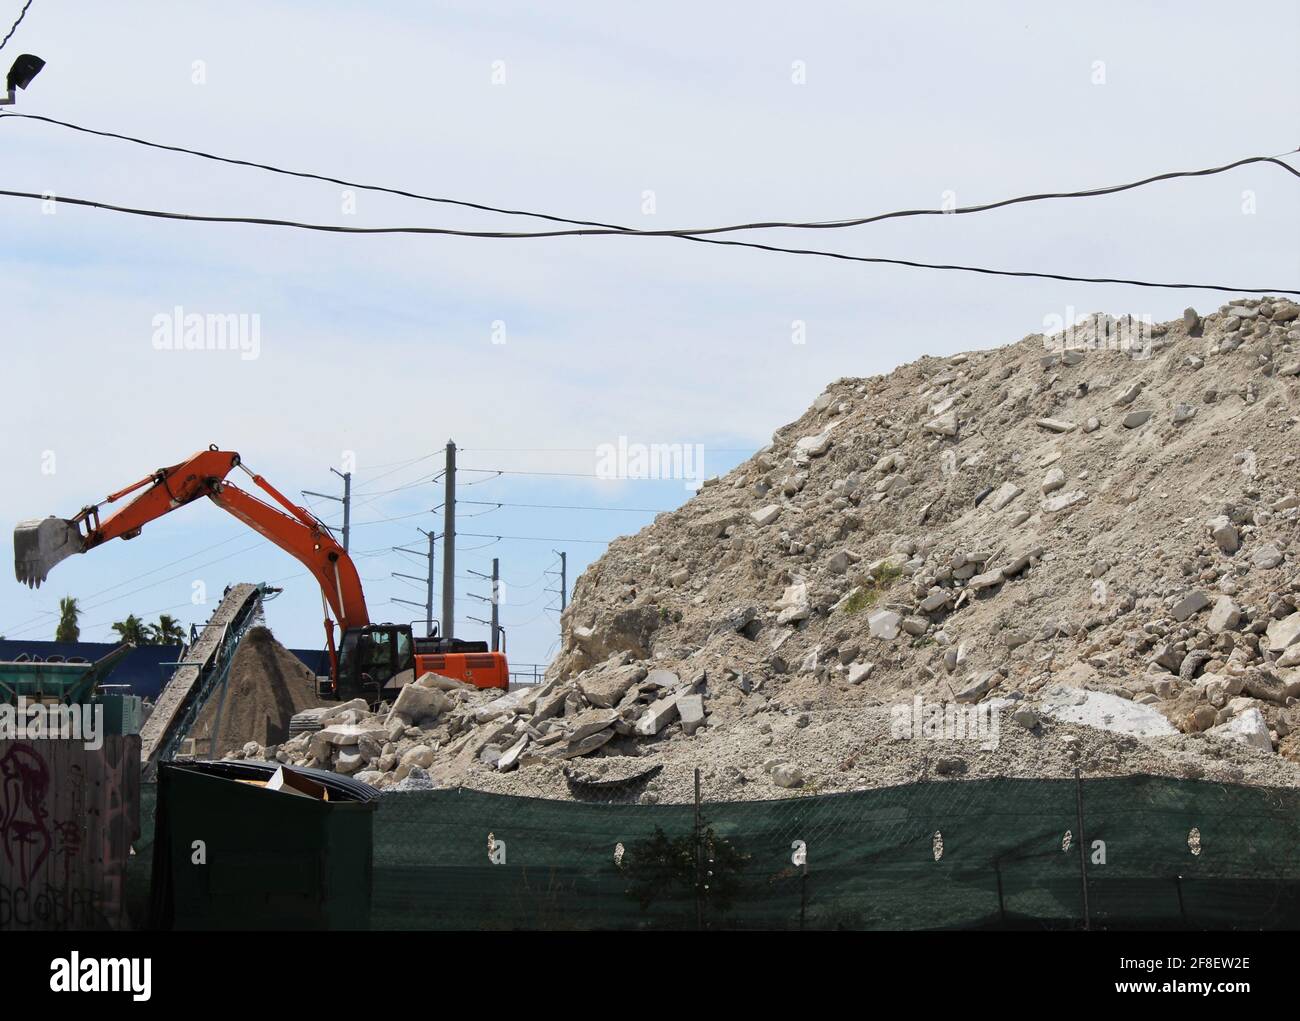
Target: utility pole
[
  {"x": 494, "y": 625},
  {"x": 345, "y": 499},
  {"x": 563, "y": 590},
  {"x": 449, "y": 545},
  {"x": 428, "y": 599},
  {"x": 496, "y": 586},
  {"x": 427, "y": 606}
]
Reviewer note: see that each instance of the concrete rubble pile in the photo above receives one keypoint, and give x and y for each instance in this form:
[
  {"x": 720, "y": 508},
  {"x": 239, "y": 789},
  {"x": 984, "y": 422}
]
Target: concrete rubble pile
[{"x": 1099, "y": 540}]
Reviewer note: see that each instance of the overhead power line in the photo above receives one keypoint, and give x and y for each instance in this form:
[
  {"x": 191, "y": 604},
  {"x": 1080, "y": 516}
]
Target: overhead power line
[
  {"x": 566, "y": 506},
  {"x": 331, "y": 228},
  {"x": 579, "y": 450},
  {"x": 533, "y": 538},
  {"x": 566, "y": 475},
  {"x": 14, "y": 28},
  {"x": 590, "y": 227}
]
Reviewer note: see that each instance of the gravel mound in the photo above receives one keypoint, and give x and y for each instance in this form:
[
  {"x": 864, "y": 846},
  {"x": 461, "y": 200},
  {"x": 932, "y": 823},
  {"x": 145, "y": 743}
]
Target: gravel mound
[{"x": 1079, "y": 548}]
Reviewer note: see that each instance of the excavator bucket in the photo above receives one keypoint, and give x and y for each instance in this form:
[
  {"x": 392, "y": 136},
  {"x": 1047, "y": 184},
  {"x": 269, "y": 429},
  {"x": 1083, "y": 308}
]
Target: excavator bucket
[{"x": 39, "y": 545}]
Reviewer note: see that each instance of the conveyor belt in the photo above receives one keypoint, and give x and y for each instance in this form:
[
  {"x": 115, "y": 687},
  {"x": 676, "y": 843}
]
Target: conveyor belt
[{"x": 205, "y": 664}]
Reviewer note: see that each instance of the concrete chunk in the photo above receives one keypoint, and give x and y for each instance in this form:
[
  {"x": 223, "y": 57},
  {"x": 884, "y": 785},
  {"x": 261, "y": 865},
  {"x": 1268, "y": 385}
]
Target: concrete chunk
[
  {"x": 978, "y": 685},
  {"x": 814, "y": 446},
  {"x": 416, "y": 703},
  {"x": 1193, "y": 602},
  {"x": 1248, "y": 728},
  {"x": 885, "y": 624},
  {"x": 1056, "y": 504},
  {"x": 1007, "y": 492},
  {"x": 586, "y": 745},
  {"x": 606, "y": 690},
  {"x": 1225, "y": 616},
  {"x": 657, "y": 715},
  {"x": 1224, "y": 533},
  {"x": 859, "y": 672},
  {"x": 1284, "y": 633},
  {"x": 588, "y": 722},
  {"x": 987, "y": 580},
  {"x": 510, "y": 758},
  {"x": 690, "y": 708}
]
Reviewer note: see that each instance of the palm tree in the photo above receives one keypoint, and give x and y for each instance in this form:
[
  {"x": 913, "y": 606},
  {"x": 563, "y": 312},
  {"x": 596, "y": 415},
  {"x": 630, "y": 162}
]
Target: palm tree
[
  {"x": 167, "y": 631},
  {"x": 132, "y": 630},
  {"x": 69, "y": 614}
]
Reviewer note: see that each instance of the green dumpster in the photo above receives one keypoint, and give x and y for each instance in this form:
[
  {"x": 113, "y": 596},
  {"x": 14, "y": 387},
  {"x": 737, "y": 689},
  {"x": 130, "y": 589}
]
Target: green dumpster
[{"x": 230, "y": 854}]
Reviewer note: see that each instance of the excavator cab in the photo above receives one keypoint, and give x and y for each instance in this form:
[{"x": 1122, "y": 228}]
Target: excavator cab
[{"x": 370, "y": 658}]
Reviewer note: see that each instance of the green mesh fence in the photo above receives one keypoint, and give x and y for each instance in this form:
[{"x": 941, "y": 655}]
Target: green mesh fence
[
  {"x": 974, "y": 854},
  {"x": 868, "y": 859},
  {"x": 139, "y": 868}
]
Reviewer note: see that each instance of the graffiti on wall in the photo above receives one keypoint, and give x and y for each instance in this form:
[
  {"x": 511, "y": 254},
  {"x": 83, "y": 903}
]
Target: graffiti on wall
[{"x": 66, "y": 825}]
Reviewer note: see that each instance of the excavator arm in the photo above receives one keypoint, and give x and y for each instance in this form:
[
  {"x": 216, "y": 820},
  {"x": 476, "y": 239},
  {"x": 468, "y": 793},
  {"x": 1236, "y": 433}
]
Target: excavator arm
[{"x": 40, "y": 545}]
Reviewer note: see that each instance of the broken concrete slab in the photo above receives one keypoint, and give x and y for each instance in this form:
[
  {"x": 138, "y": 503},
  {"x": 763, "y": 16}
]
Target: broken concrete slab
[
  {"x": 587, "y": 722},
  {"x": 585, "y": 746},
  {"x": 510, "y": 758},
  {"x": 1103, "y": 711},
  {"x": 606, "y": 690}
]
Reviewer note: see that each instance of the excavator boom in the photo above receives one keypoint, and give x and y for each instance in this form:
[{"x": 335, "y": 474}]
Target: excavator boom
[
  {"x": 40, "y": 545},
  {"x": 372, "y": 654}
]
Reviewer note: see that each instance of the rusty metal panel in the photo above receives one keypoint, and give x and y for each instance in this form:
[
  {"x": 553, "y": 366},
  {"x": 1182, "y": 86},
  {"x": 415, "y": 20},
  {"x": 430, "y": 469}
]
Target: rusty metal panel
[{"x": 68, "y": 817}]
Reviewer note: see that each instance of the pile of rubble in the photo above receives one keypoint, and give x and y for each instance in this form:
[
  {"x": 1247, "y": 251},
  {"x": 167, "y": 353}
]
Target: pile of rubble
[{"x": 1094, "y": 536}]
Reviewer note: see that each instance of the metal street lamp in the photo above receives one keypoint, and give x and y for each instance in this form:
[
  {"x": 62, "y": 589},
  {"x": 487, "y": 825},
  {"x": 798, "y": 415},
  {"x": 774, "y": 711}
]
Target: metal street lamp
[{"x": 24, "y": 69}]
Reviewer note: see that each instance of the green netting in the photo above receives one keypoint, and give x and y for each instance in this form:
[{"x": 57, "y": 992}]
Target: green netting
[
  {"x": 139, "y": 867},
  {"x": 459, "y": 859}
]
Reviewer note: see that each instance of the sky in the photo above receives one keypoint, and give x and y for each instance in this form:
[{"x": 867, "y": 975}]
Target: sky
[{"x": 537, "y": 355}]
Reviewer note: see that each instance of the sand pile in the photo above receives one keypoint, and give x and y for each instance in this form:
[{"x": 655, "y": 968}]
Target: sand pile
[{"x": 268, "y": 684}]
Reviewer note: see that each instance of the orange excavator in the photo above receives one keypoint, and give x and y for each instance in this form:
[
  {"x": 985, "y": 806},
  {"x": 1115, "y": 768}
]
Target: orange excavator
[{"x": 370, "y": 658}]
